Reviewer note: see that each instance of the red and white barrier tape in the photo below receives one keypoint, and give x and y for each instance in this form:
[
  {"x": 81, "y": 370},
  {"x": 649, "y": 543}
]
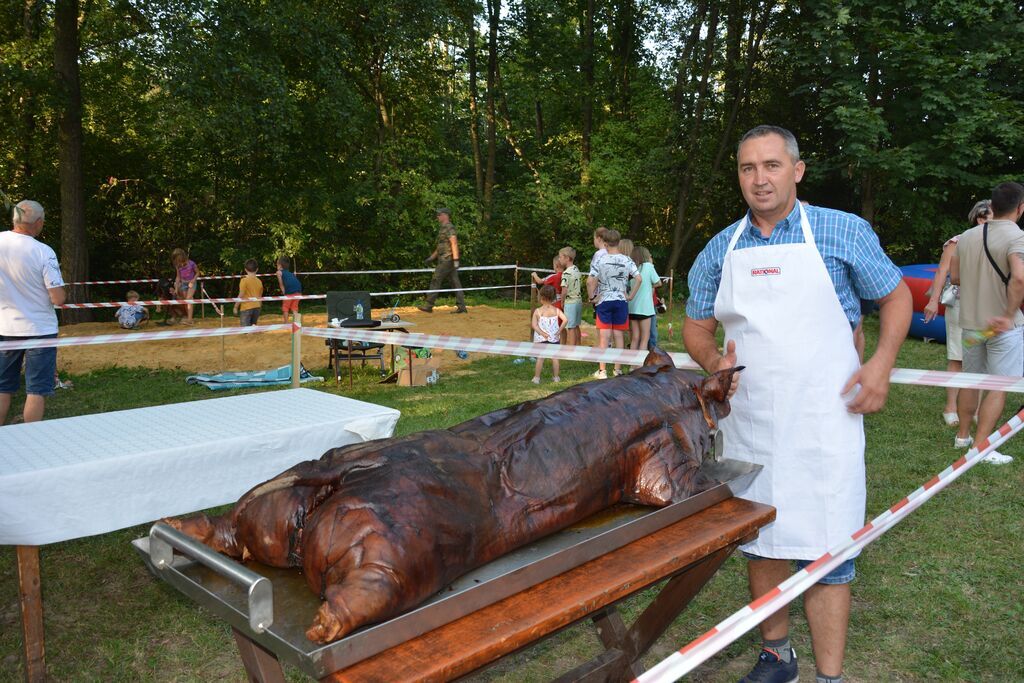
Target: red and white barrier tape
[
  {"x": 496, "y": 346},
  {"x": 962, "y": 380},
  {"x": 307, "y": 272},
  {"x": 406, "y": 270},
  {"x": 230, "y": 300},
  {"x": 171, "y": 302},
  {"x": 703, "y": 648},
  {"x": 128, "y": 336}
]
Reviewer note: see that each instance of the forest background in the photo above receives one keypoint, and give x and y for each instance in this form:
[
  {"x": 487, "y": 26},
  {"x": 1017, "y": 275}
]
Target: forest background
[{"x": 330, "y": 130}]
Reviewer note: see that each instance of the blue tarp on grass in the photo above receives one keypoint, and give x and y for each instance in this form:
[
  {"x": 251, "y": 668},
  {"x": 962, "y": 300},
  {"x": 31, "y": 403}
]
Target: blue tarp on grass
[{"x": 257, "y": 378}]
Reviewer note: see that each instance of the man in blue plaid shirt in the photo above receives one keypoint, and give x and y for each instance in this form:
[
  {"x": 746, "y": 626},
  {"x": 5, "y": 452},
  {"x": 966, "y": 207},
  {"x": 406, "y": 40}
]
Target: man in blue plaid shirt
[{"x": 786, "y": 282}]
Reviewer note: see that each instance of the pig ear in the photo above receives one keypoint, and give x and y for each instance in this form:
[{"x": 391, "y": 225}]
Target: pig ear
[
  {"x": 715, "y": 387},
  {"x": 658, "y": 357}
]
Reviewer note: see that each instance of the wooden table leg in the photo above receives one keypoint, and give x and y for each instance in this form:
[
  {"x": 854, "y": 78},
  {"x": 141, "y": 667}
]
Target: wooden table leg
[
  {"x": 261, "y": 665},
  {"x": 624, "y": 648},
  {"x": 31, "y": 613},
  {"x": 348, "y": 344},
  {"x": 613, "y": 633},
  {"x": 670, "y": 602}
]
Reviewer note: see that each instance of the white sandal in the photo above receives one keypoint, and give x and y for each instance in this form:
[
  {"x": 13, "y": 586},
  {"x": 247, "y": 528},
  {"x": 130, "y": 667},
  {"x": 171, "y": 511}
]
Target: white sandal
[{"x": 951, "y": 419}]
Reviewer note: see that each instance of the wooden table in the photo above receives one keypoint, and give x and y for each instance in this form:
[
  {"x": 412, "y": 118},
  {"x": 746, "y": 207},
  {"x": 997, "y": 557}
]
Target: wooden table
[
  {"x": 82, "y": 462},
  {"x": 688, "y": 553}
]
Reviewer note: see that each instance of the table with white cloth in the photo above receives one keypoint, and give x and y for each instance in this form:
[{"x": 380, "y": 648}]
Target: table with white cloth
[{"x": 80, "y": 476}]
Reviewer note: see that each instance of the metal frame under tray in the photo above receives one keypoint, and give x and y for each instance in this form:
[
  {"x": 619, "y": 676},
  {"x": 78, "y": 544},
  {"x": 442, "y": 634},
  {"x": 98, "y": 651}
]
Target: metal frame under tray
[{"x": 275, "y": 606}]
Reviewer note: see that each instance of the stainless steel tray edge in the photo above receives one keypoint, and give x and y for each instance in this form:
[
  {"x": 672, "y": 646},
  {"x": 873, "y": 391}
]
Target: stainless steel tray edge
[{"x": 318, "y": 661}]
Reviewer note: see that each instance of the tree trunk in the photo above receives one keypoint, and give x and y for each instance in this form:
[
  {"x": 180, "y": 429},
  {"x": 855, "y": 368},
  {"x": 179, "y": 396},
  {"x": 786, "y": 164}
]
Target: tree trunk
[
  {"x": 30, "y": 26},
  {"x": 683, "y": 60},
  {"x": 74, "y": 252},
  {"x": 474, "y": 131},
  {"x": 679, "y": 235},
  {"x": 867, "y": 197},
  {"x": 623, "y": 48},
  {"x": 587, "y": 67},
  {"x": 754, "y": 38},
  {"x": 493, "y": 15}
]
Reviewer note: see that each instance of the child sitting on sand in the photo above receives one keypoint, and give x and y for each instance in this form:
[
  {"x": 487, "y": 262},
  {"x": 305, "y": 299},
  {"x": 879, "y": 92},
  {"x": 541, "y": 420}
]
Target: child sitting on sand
[{"x": 131, "y": 314}]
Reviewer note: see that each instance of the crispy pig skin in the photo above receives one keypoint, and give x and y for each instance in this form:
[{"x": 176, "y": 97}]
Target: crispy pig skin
[{"x": 379, "y": 527}]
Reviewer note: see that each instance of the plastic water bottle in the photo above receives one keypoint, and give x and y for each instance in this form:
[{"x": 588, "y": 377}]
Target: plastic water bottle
[
  {"x": 462, "y": 355},
  {"x": 359, "y": 310},
  {"x": 519, "y": 360}
]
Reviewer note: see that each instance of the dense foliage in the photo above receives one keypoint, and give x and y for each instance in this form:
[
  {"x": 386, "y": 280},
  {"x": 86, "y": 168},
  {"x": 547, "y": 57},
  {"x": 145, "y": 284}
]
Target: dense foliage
[{"x": 329, "y": 130}]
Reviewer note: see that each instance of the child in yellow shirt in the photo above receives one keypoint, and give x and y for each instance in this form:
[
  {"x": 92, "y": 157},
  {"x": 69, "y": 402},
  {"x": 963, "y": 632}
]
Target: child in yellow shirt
[{"x": 250, "y": 286}]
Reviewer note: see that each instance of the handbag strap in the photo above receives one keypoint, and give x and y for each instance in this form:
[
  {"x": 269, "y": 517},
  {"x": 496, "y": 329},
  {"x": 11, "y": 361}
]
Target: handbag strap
[{"x": 984, "y": 242}]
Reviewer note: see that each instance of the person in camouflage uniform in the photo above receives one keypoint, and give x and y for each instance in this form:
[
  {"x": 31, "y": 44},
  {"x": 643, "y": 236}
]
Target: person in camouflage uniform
[{"x": 447, "y": 255}]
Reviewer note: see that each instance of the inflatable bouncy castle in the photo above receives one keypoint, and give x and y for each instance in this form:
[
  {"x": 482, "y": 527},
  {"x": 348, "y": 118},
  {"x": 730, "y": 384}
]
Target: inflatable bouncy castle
[{"x": 919, "y": 280}]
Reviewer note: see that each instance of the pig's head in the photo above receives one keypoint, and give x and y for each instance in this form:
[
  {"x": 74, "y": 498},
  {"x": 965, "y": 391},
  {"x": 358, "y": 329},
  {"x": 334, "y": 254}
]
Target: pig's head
[{"x": 713, "y": 393}]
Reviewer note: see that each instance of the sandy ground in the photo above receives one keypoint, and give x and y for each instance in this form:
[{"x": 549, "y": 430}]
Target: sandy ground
[{"x": 272, "y": 349}]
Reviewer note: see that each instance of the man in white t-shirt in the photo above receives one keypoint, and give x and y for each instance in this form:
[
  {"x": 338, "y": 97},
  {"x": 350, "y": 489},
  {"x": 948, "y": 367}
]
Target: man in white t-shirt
[{"x": 30, "y": 286}]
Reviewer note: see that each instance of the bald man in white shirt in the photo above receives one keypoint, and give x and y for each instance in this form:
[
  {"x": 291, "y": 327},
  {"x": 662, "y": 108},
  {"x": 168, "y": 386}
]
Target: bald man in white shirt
[{"x": 30, "y": 286}]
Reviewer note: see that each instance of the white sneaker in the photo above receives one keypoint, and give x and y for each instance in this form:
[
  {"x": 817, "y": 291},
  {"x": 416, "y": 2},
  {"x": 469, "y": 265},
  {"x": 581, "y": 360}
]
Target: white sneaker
[
  {"x": 556, "y": 379},
  {"x": 951, "y": 419},
  {"x": 997, "y": 458},
  {"x": 600, "y": 374},
  {"x": 617, "y": 373},
  {"x": 535, "y": 380},
  {"x": 965, "y": 442}
]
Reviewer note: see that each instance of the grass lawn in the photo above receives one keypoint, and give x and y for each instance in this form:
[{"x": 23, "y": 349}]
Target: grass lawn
[{"x": 938, "y": 598}]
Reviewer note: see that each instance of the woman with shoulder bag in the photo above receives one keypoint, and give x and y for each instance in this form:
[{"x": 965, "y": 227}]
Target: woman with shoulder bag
[{"x": 948, "y": 294}]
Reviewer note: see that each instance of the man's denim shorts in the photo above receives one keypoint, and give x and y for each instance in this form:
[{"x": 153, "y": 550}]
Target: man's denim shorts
[
  {"x": 40, "y": 367},
  {"x": 844, "y": 573}
]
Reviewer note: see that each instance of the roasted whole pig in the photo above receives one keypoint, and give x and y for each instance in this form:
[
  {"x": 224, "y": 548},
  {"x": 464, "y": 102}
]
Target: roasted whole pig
[{"x": 379, "y": 527}]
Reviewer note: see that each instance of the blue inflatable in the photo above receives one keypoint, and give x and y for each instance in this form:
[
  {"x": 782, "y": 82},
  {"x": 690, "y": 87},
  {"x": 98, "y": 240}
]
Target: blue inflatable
[{"x": 919, "y": 279}]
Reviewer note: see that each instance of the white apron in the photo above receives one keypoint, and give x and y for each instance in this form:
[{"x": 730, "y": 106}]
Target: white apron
[{"x": 779, "y": 305}]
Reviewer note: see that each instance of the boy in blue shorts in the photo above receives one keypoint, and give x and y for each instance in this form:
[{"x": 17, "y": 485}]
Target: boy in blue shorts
[{"x": 608, "y": 286}]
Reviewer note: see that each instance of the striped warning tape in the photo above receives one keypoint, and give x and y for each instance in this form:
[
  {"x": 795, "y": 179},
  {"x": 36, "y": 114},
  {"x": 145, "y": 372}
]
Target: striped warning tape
[
  {"x": 306, "y": 272},
  {"x": 701, "y": 649},
  {"x": 236, "y": 299},
  {"x": 405, "y": 270},
  {"x": 962, "y": 380},
  {"x": 495, "y": 346},
  {"x": 127, "y": 336},
  {"x": 165, "y": 302}
]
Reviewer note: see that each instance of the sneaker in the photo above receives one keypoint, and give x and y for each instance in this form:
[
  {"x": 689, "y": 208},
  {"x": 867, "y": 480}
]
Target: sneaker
[
  {"x": 965, "y": 442},
  {"x": 771, "y": 669},
  {"x": 600, "y": 374},
  {"x": 535, "y": 380},
  {"x": 556, "y": 379},
  {"x": 997, "y": 458},
  {"x": 425, "y": 308},
  {"x": 460, "y": 310},
  {"x": 951, "y": 419},
  {"x": 616, "y": 373}
]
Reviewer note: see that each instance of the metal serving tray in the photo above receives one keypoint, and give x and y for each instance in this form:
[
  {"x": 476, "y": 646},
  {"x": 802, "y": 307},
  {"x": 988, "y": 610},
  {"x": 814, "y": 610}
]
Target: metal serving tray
[{"x": 275, "y": 606}]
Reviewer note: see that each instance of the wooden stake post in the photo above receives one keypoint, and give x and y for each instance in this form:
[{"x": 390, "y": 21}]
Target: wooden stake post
[
  {"x": 515, "y": 288},
  {"x": 671, "y": 281},
  {"x": 297, "y": 349}
]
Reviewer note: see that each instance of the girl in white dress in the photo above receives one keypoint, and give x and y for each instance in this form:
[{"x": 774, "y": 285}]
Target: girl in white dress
[{"x": 547, "y": 323}]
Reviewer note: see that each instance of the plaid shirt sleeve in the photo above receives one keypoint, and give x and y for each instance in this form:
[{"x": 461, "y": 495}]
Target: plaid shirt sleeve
[
  {"x": 873, "y": 272},
  {"x": 706, "y": 275}
]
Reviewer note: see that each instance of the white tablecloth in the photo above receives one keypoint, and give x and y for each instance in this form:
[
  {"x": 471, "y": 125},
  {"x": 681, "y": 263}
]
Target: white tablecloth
[{"x": 80, "y": 476}]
